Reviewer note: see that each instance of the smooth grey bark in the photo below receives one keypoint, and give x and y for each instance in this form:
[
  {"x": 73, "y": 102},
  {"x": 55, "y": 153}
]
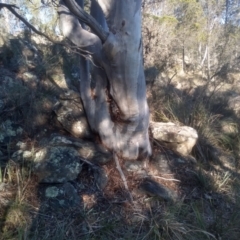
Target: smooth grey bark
[{"x": 112, "y": 87}]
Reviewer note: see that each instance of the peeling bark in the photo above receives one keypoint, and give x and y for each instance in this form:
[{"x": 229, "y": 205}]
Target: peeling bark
[{"x": 114, "y": 95}]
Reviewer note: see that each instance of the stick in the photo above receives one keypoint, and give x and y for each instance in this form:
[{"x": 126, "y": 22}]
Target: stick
[
  {"x": 167, "y": 179},
  {"x": 122, "y": 176},
  {"x": 86, "y": 161}
]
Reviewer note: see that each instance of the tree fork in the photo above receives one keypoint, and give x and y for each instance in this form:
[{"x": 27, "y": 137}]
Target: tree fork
[{"x": 115, "y": 45}]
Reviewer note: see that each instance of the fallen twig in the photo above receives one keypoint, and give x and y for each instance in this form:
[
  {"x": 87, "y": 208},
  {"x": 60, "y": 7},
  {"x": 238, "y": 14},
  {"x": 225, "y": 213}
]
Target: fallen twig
[
  {"x": 86, "y": 161},
  {"x": 167, "y": 179},
  {"x": 122, "y": 176}
]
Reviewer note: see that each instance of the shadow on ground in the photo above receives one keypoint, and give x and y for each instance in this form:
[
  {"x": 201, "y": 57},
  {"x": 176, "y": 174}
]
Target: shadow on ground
[{"x": 207, "y": 188}]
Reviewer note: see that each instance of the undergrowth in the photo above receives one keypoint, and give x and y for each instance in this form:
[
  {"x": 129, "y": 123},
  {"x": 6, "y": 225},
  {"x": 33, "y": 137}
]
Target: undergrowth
[
  {"x": 209, "y": 207},
  {"x": 216, "y": 153}
]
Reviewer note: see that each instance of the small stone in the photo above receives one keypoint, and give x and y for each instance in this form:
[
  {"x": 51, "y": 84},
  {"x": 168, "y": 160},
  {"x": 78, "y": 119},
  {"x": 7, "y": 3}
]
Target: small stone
[
  {"x": 180, "y": 160},
  {"x": 154, "y": 188},
  {"x": 100, "y": 177},
  {"x": 30, "y": 76},
  {"x": 21, "y": 145},
  {"x": 62, "y": 196},
  {"x": 133, "y": 166},
  {"x": 52, "y": 192},
  {"x": 21, "y": 155}
]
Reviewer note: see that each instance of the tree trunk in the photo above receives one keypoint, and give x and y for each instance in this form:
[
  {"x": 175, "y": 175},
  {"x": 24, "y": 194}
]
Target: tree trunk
[{"x": 112, "y": 84}]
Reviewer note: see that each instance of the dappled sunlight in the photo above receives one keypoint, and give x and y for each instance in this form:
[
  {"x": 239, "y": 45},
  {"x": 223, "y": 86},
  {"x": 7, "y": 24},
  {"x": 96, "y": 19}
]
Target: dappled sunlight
[
  {"x": 75, "y": 149},
  {"x": 89, "y": 201}
]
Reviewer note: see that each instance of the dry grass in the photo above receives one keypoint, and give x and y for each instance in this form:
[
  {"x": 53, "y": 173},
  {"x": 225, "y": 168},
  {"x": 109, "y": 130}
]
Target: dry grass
[
  {"x": 208, "y": 209},
  {"x": 208, "y": 206},
  {"x": 217, "y": 153}
]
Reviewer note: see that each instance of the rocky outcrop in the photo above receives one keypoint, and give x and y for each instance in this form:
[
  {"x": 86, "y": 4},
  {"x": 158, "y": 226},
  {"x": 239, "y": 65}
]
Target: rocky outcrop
[
  {"x": 179, "y": 138},
  {"x": 70, "y": 113},
  {"x": 88, "y": 150},
  {"x": 57, "y": 164},
  {"x": 60, "y": 159},
  {"x": 61, "y": 196}
]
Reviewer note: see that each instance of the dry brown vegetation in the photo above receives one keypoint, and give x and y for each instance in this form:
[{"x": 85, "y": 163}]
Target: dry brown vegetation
[{"x": 208, "y": 191}]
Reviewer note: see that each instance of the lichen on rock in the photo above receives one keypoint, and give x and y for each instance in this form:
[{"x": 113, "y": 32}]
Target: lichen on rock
[
  {"x": 178, "y": 138},
  {"x": 8, "y": 130},
  {"x": 57, "y": 164}
]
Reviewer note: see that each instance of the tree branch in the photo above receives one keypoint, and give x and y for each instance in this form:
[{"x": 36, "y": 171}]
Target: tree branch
[
  {"x": 71, "y": 28},
  {"x": 86, "y": 18},
  {"x": 10, "y": 8},
  {"x": 7, "y": 5}
]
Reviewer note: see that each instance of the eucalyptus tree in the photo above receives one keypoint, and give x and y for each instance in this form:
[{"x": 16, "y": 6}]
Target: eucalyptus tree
[
  {"x": 112, "y": 84},
  {"x": 112, "y": 81}
]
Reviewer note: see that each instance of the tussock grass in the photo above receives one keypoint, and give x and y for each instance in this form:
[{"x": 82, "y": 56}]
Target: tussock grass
[
  {"x": 217, "y": 153},
  {"x": 209, "y": 190}
]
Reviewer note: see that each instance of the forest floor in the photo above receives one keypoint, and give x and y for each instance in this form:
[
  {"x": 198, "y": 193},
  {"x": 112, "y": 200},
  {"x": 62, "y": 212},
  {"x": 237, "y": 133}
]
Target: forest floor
[{"x": 208, "y": 190}]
